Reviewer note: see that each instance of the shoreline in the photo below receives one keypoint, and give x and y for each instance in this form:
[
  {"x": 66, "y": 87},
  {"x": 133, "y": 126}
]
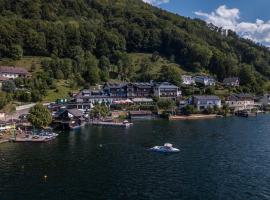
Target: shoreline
[{"x": 4, "y": 141}]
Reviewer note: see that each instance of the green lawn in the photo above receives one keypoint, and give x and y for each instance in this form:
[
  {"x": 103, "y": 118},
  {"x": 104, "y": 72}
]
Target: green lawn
[
  {"x": 138, "y": 57},
  {"x": 26, "y": 62},
  {"x": 62, "y": 91}
]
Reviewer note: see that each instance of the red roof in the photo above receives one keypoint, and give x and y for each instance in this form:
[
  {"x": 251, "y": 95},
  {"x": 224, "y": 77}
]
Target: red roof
[{"x": 13, "y": 70}]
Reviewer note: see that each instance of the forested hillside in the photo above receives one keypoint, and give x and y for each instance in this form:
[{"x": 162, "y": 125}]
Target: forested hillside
[{"x": 88, "y": 41}]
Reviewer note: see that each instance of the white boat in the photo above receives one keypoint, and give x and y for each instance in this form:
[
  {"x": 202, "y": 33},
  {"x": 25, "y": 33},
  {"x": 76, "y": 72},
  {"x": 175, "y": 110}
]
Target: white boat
[{"x": 167, "y": 148}]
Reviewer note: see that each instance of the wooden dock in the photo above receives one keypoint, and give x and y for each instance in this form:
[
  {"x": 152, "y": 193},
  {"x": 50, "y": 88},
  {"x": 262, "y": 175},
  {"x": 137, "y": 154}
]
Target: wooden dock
[
  {"x": 193, "y": 117},
  {"x": 116, "y": 124}
]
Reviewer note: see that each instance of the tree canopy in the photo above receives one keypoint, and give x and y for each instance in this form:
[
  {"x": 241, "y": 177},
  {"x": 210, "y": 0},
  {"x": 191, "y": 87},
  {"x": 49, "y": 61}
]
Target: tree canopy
[
  {"x": 85, "y": 40},
  {"x": 39, "y": 116}
]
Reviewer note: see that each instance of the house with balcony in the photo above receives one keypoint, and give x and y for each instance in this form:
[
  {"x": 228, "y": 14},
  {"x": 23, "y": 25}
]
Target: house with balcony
[
  {"x": 13, "y": 72},
  {"x": 205, "y": 80},
  {"x": 187, "y": 80},
  {"x": 239, "y": 102},
  {"x": 203, "y": 102},
  {"x": 86, "y": 99},
  {"x": 139, "y": 90},
  {"x": 167, "y": 90}
]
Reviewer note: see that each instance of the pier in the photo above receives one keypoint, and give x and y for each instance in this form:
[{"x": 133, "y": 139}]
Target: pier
[{"x": 116, "y": 124}]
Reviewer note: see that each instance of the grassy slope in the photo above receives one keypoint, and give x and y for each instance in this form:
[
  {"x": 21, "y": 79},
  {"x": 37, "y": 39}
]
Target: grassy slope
[
  {"x": 138, "y": 57},
  {"x": 62, "y": 91},
  {"x": 26, "y": 62}
]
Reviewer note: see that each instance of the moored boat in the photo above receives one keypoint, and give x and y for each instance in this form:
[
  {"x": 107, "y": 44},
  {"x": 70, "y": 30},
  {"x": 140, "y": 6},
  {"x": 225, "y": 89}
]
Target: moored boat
[{"x": 166, "y": 148}]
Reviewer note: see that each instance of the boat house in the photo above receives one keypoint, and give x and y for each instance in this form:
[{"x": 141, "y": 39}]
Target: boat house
[{"x": 70, "y": 119}]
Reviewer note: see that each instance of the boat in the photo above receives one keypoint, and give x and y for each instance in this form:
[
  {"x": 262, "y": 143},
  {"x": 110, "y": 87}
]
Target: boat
[{"x": 166, "y": 148}]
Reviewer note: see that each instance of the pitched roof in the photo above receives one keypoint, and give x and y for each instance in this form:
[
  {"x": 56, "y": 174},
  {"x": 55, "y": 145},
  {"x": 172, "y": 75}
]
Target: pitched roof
[
  {"x": 230, "y": 80},
  {"x": 75, "y": 112},
  {"x": 240, "y": 97},
  {"x": 13, "y": 70},
  {"x": 166, "y": 85},
  {"x": 206, "y": 97},
  {"x": 143, "y": 85},
  {"x": 115, "y": 85}
]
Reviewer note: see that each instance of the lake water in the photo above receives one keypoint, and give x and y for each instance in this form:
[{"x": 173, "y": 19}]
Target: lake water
[{"x": 219, "y": 159}]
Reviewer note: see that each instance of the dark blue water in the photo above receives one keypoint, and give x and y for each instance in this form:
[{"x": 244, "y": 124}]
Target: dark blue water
[{"x": 219, "y": 159}]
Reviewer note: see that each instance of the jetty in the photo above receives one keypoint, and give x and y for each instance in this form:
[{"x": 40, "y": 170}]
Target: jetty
[
  {"x": 43, "y": 136},
  {"x": 193, "y": 117},
  {"x": 124, "y": 124}
]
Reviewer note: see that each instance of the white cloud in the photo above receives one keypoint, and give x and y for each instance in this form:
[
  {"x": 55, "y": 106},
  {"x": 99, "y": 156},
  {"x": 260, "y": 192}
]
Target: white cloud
[
  {"x": 156, "y": 2},
  {"x": 226, "y": 18}
]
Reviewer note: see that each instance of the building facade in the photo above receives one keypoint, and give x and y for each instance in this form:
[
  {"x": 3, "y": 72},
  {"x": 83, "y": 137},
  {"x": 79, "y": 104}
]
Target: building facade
[
  {"x": 206, "y": 101},
  {"x": 205, "y": 80},
  {"x": 238, "y": 102},
  {"x": 187, "y": 80},
  {"x": 167, "y": 90}
]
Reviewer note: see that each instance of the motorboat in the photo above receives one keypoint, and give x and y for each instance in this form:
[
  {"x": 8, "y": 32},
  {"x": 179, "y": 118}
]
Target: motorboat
[{"x": 166, "y": 148}]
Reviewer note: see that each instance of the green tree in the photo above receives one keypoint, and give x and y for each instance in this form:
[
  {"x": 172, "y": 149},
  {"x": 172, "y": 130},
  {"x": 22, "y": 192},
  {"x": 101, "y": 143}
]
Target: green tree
[
  {"x": 171, "y": 74},
  {"x": 39, "y": 116},
  {"x": 166, "y": 104},
  {"x": 8, "y": 86},
  {"x": 3, "y": 100},
  {"x": 188, "y": 110},
  {"x": 99, "y": 111},
  {"x": 16, "y": 52}
]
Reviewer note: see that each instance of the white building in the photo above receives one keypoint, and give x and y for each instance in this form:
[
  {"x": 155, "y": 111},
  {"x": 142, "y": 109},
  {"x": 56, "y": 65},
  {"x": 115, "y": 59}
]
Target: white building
[
  {"x": 205, "y": 80},
  {"x": 238, "y": 102},
  {"x": 167, "y": 90},
  {"x": 206, "y": 101},
  {"x": 187, "y": 80},
  {"x": 13, "y": 72}
]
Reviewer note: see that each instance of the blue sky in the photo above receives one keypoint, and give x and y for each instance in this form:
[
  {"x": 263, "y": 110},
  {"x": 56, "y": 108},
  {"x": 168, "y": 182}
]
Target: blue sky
[
  {"x": 249, "y": 18},
  {"x": 250, "y": 9}
]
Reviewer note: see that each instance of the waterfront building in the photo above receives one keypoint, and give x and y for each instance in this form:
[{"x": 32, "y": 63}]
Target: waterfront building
[
  {"x": 206, "y": 101},
  {"x": 167, "y": 90},
  {"x": 13, "y": 72},
  {"x": 231, "y": 82},
  {"x": 85, "y": 99},
  {"x": 139, "y": 90},
  {"x": 139, "y": 93},
  {"x": 205, "y": 80},
  {"x": 238, "y": 102},
  {"x": 70, "y": 118},
  {"x": 187, "y": 80},
  {"x": 115, "y": 90}
]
